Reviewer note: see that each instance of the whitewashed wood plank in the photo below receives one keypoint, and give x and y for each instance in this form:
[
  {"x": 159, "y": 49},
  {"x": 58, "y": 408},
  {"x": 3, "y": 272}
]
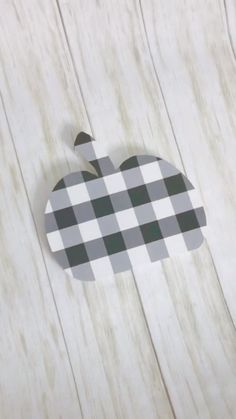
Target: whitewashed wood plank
[
  {"x": 199, "y": 315},
  {"x": 36, "y": 380},
  {"x": 191, "y": 53},
  {"x": 110, "y": 349},
  {"x": 124, "y": 103}
]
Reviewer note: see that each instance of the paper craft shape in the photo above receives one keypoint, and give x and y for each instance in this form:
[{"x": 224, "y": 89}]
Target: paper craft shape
[{"x": 142, "y": 212}]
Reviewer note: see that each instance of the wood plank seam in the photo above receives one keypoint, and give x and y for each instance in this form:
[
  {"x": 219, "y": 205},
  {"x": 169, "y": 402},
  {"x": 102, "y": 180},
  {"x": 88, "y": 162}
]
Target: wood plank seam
[
  {"x": 155, "y": 353},
  {"x": 74, "y": 66},
  {"x": 159, "y": 84},
  {"x": 42, "y": 254}
]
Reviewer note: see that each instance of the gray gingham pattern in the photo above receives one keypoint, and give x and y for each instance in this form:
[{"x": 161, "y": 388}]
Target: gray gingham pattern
[{"x": 140, "y": 213}]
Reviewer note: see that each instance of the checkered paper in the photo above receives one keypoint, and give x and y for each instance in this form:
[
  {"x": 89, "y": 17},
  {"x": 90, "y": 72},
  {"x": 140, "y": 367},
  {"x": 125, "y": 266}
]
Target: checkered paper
[{"x": 140, "y": 213}]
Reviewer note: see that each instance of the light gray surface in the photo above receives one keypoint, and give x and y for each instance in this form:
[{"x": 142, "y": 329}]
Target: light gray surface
[{"x": 156, "y": 76}]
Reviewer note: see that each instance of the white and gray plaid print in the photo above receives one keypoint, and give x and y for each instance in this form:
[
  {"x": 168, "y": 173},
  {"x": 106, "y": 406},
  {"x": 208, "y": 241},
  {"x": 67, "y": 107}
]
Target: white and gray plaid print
[{"x": 140, "y": 213}]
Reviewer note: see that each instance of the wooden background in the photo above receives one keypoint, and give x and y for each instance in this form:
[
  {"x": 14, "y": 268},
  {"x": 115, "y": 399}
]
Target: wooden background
[{"x": 155, "y": 76}]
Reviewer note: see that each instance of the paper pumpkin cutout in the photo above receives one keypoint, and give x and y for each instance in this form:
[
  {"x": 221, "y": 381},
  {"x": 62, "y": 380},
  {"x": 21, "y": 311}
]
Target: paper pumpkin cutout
[{"x": 140, "y": 213}]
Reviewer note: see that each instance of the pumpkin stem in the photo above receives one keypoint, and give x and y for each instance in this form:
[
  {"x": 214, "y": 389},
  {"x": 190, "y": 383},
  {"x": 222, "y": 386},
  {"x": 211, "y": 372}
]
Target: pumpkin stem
[{"x": 94, "y": 153}]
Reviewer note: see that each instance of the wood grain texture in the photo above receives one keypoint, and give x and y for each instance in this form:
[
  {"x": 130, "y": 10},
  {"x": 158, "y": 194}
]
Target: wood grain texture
[
  {"x": 195, "y": 391},
  {"x": 155, "y": 77},
  {"x": 196, "y": 70},
  {"x": 113, "y": 361},
  {"x": 35, "y": 370}
]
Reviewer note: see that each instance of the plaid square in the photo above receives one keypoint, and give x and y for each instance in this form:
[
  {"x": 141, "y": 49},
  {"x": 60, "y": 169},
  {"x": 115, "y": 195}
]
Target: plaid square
[
  {"x": 121, "y": 201},
  {"x": 167, "y": 169},
  {"x": 157, "y": 250},
  {"x": 175, "y": 244},
  {"x": 55, "y": 241},
  {"x": 115, "y": 183},
  {"x": 96, "y": 188},
  {"x": 71, "y": 236},
  {"x": 169, "y": 226},
  {"x": 193, "y": 239},
  {"x": 84, "y": 212},
  {"x": 139, "y": 195},
  {"x": 102, "y": 206},
  {"x": 187, "y": 220},
  {"x": 85, "y": 149},
  {"x": 95, "y": 249},
  {"x": 163, "y": 208},
  {"x": 83, "y": 271},
  {"x": 151, "y": 172},
  {"x": 114, "y": 243},
  {"x": 127, "y": 219},
  {"x": 60, "y": 200},
  {"x": 103, "y": 167},
  {"x": 102, "y": 267},
  {"x": 194, "y": 198},
  {"x": 139, "y": 256},
  {"x": 108, "y": 224},
  {"x": 201, "y": 216},
  {"x": 78, "y": 194},
  {"x": 175, "y": 184},
  {"x": 73, "y": 178},
  {"x": 181, "y": 202},
  {"x": 50, "y": 222},
  {"x": 90, "y": 230},
  {"x": 77, "y": 254},
  {"x": 143, "y": 212},
  {"x": 132, "y": 237},
  {"x": 62, "y": 259},
  {"x": 132, "y": 177},
  {"x": 120, "y": 262},
  {"x": 151, "y": 232},
  {"x": 157, "y": 190},
  {"x": 65, "y": 217}
]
